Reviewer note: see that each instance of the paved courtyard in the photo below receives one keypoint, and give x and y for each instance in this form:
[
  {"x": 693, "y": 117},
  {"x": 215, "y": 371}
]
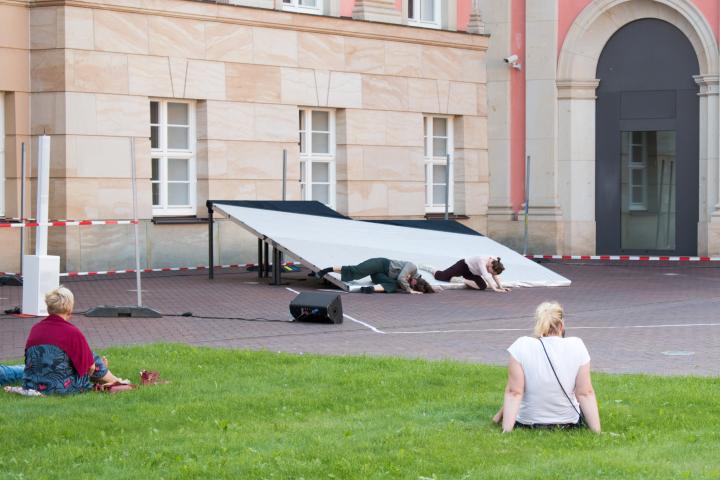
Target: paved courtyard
[{"x": 653, "y": 317}]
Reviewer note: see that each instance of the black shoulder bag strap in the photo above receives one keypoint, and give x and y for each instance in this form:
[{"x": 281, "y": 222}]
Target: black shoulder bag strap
[{"x": 582, "y": 417}]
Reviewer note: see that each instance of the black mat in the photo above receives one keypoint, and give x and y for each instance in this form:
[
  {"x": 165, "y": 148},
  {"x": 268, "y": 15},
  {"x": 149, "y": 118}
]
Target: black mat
[
  {"x": 305, "y": 207},
  {"x": 311, "y": 207}
]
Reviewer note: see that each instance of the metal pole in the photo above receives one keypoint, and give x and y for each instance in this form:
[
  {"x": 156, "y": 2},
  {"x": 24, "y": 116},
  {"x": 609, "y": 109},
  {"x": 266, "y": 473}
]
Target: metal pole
[
  {"x": 138, "y": 280},
  {"x": 211, "y": 243},
  {"x": 447, "y": 186},
  {"x": 284, "y": 189},
  {"x": 527, "y": 203},
  {"x": 659, "y": 202},
  {"x": 260, "y": 258},
  {"x": 266, "y": 259},
  {"x": 284, "y": 175},
  {"x": 670, "y": 205},
  {"x": 22, "y": 203},
  {"x": 275, "y": 266}
]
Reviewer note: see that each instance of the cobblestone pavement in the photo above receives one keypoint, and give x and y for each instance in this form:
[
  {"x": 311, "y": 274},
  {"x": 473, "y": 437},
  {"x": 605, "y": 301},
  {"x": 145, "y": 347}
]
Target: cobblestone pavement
[{"x": 654, "y": 318}]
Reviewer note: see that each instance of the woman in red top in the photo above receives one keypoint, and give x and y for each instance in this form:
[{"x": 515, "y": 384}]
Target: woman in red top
[{"x": 58, "y": 359}]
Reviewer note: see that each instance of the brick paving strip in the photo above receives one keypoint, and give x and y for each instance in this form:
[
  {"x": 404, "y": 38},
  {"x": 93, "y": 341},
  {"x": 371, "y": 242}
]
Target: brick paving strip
[{"x": 659, "y": 318}]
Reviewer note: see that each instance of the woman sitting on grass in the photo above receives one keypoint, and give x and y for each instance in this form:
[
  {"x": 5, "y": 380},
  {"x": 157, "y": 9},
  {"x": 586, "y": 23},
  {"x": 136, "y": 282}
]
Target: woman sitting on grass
[
  {"x": 386, "y": 275},
  {"x": 58, "y": 359},
  {"x": 549, "y": 378}
]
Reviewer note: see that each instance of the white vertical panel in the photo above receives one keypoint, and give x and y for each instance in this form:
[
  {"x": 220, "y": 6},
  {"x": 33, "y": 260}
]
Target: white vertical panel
[{"x": 43, "y": 194}]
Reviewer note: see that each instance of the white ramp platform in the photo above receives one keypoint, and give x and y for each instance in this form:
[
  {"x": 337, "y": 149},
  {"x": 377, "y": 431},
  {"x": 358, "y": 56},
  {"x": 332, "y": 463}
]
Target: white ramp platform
[{"x": 320, "y": 242}]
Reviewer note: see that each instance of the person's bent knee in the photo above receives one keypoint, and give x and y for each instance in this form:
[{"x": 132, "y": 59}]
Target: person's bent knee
[{"x": 100, "y": 369}]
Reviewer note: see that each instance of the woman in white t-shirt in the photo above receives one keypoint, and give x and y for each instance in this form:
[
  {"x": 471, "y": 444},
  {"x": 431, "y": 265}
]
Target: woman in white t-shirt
[{"x": 533, "y": 396}]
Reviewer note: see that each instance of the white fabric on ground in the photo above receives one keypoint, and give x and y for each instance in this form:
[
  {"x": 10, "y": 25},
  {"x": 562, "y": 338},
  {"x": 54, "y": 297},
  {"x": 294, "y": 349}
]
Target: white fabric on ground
[{"x": 320, "y": 242}]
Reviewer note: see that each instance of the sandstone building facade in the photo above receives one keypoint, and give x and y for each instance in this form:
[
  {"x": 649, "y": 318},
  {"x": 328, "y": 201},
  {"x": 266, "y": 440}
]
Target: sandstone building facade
[{"x": 208, "y": 96}]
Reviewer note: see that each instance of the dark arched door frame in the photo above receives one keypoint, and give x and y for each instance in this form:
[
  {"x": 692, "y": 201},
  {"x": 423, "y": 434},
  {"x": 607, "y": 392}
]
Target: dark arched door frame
[{"x": 646, "y": 85}]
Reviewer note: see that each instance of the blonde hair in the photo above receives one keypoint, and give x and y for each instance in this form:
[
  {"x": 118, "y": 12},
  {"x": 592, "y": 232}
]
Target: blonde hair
[
  {"x": 548, "y": 319},
  {"x": 59, "y": 301}
]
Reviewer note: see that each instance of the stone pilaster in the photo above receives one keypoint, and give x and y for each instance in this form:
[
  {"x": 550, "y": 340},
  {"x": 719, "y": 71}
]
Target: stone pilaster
[
  {"x": 376, "y": 11},
  {"x": 709, "y": 158},
  {"x": 576, "y": 164},
  {"x": 476, "y": 24}
]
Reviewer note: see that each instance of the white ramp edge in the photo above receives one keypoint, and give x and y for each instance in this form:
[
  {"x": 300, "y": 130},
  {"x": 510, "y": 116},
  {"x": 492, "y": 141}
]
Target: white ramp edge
[{"x": 320, "y": 242}]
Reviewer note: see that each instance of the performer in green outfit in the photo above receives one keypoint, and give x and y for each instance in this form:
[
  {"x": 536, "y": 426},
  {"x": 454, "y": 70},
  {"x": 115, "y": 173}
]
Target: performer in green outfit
[{"x": 387, "y": 276}]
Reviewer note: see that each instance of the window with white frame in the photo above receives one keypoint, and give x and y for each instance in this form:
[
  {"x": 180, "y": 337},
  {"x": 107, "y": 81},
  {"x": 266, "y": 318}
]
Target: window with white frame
[
  {"x": 317, "y": 155},
  {"x": 2, "y": 154},
  {"x": 424, "y": 13},
  {"x": 303, "y": 6},
  {"x": 172, "y": 143},
  {"x": 438, "y": 136}
]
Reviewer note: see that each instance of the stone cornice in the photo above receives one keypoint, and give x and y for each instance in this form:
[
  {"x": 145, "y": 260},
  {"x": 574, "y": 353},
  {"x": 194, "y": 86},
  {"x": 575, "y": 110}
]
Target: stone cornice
[
  {"x": 709, "y": 84},
  {"x": 266, "y": 18},
  {"x": 577, "y": 89}
]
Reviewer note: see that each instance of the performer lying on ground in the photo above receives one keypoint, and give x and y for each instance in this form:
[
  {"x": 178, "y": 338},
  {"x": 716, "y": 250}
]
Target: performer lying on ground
[
  {"x": 549, "y": 382},
  {"x": 11, "y": 374},
  {"x": 387, "y": 276},
  {"x": 58, "y": 359},
  {"x": 477, "y": 273}
]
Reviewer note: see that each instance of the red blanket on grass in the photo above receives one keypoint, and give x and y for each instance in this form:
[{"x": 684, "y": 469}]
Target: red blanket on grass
[{"x": 54, "y": 330}]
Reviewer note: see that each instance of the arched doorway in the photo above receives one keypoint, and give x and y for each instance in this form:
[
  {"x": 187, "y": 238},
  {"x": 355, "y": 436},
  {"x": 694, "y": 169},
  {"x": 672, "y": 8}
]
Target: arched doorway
[{"x": 647, "y": 136}]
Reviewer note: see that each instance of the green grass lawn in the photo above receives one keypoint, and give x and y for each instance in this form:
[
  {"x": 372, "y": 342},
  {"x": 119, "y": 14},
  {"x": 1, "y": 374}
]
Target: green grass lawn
[{"x": 236, "y": 414}]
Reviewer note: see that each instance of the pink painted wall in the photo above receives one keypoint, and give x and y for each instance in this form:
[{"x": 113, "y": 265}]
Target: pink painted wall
[
  {"x": 517, "y": 107},
  {"x": 568, "y": 10},
  {"x": 346, "y": 7},
  {"x": 463, "y": 13}
]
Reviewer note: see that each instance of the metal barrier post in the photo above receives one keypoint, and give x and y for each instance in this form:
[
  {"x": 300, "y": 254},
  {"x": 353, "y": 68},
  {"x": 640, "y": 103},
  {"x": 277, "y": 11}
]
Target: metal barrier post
[
  {"x": 211, "y": 243},
  {"x": 138, "y": 279},
  {"x": 284, "y": 175},
  {"x": 22, "y": 203},
  {"x": 527, "y": 203},
  {"x": 138, "y": 310},
  {"x": 447, "y": 187}
]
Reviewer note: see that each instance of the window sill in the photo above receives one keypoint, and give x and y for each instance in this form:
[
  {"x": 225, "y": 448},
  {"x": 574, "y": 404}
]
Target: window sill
[
  {"x": 186, "y": 220},
  {"x": 296, "y": 9},
  {"x": 421, "y": 24}
]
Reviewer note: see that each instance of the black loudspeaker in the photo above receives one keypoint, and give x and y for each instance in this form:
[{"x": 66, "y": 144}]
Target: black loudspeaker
[{"x": 317, "y": 307}]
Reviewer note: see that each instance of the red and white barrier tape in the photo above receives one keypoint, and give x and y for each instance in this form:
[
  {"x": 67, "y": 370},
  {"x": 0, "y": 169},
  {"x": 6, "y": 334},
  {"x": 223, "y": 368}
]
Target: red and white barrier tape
[
  {"x": 164, "y": 269},
  {"x": 622, "y": 258},
  {"x": 68, "y": 223},
  {"x": 151, "y": 270},
  {"x": 146, "y": 270},
  {"x": 626, "y": 258}
]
